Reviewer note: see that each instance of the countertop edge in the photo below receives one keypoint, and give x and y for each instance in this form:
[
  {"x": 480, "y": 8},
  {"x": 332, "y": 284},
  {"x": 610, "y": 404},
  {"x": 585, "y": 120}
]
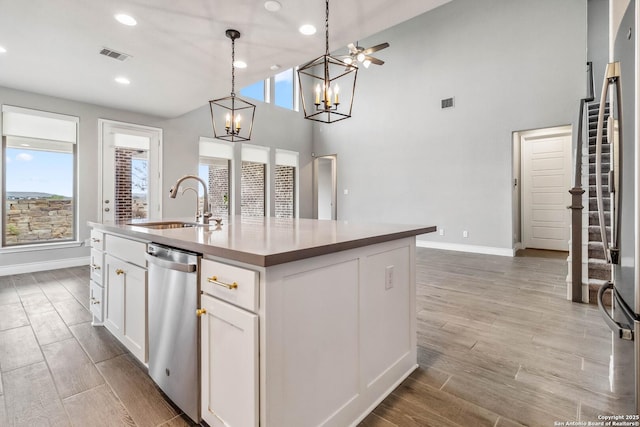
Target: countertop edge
[{"x": 261, "y": 260}]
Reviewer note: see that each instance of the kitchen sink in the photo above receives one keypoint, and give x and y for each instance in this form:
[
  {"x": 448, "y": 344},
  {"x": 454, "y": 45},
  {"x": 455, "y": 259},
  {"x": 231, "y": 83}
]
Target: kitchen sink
[{"x": 165, "y": 224}]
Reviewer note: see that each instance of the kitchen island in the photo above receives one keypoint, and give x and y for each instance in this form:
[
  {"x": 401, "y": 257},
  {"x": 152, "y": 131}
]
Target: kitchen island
[{"x": 304, "y": 322}]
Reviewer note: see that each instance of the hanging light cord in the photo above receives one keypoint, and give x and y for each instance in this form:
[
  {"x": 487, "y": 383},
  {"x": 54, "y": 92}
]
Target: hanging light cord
[
  {"x": 326, "y": 26},
  {"x": 233, "y": 68}
]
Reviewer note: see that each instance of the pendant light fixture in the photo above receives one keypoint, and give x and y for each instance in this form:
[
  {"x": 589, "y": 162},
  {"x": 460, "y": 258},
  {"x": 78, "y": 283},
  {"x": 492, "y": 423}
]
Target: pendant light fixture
[
  {"x": 232, "y": 116},
  {"x": 327, "y": 85}
]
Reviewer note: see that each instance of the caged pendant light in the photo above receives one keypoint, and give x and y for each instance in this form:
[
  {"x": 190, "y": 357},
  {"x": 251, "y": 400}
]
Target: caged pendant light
[
  {"x": 233, "y": 112},
  {"x": 327, "y": 85}
]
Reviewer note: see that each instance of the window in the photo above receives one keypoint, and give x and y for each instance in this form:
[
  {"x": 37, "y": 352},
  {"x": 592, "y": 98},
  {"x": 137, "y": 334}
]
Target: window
[
  {"x": 253, "y": 180},
  {"x": 286, "y": 185},
  {"x": 39, "y": 165},
  {"x": 283, "y": 89},
  {"x": 255, "y": 91},
  {"x": 215, "y": 169}
]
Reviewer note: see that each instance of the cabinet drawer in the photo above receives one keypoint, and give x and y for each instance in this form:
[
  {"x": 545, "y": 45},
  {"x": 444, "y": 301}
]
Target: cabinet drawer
[
  {"x": 230, "y": 283},
  {"x": 128, "y": 250},
  {"x": 97, "y": 239},
  {"x": 96, "y": 266},
  {"x": 96, "y": 294}
]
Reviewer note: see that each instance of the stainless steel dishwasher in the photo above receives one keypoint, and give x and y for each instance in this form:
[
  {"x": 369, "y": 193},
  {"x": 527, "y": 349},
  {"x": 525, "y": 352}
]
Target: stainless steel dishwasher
[{"x": 174, "y": 330}]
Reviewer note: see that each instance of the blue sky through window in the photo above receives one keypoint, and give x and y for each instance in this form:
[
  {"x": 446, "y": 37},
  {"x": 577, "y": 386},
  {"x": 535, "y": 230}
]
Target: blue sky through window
[
  {"x": 255, "y": 91},
  {"x": 284, "y": 89},
  {"x": 39, "y": 171}
]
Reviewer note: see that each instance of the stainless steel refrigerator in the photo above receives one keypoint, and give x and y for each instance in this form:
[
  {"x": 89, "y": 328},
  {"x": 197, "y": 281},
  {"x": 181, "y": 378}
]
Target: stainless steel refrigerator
[{"x": 620, "y": 239}]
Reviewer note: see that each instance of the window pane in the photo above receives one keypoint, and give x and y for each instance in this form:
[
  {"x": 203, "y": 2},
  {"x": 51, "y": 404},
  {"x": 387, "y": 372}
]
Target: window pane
[
  {"x": 39, "y": 192},
  {"x": 132, "y": 190},
  {"x": 215, "y": 172},
  {"x": 284, "y": 89},
  {"x": 285, "y": 190},
  {"x": 255, "y": 91},
  {"x": 252, "y": 189}
]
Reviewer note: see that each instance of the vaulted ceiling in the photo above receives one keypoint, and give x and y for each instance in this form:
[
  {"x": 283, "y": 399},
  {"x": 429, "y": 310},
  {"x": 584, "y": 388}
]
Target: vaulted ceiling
[{"x": 180, "y": 57}]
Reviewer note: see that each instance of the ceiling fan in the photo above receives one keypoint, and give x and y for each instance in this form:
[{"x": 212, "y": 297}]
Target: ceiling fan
[{"x": 361, "y": 54}]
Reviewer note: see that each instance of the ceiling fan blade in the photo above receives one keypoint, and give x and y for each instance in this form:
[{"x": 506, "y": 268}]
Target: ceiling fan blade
[
  {"x": 375, "y": 60},
  {"x": 376, "y": 48},
  {"x": 352, "y": 48}
]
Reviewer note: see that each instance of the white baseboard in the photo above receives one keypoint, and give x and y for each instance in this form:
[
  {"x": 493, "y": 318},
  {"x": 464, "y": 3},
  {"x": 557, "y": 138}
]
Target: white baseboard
[
  {"x": 488, "y": 250},
  {"x": 43, "y": 265}
]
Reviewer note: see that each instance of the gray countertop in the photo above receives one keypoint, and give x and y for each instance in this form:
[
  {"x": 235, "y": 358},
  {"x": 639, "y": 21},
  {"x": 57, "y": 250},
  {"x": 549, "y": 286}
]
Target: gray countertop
[{"x": 269, "y": 241}]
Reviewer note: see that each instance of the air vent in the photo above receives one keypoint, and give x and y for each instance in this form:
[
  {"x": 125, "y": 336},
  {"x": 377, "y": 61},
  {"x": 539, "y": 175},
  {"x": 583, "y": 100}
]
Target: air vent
[
  {"x": 113, "y": 54},
  {"x": 446, "y": 103}
]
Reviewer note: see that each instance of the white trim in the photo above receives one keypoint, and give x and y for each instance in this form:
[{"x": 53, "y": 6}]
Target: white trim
[
  {"x": 210, "y": 147},
  {"x": 24, "y": 122},
  {"x": 487, "y": 250},
  {"x": 255, "y": 153},
  {"x": 43, "y": 266},
  {"x": 40, "y": 247}
]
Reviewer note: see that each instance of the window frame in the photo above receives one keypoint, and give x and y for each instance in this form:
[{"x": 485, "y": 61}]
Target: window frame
[
  {"x": 258, "y": 154},
  {"x": 210, "y": 148},
  {"x": 290, "y": 158},
  {"x": 57, "y": 134}
]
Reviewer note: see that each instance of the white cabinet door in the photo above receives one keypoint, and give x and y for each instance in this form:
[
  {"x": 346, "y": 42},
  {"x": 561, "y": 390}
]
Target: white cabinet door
[
  {"x": 229, "y": 365},
  {"x": 126, "y": 308}
]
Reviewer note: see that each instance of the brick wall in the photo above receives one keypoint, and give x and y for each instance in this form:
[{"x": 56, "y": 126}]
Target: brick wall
[
  {"x": 219, "y": 188},
  {"x": 123, "y": 197},
  {"x": 127, "y": 205},
  {"x": 284, "y": 189},
  {"x": 38, "y": 220},
  {"x": 252, "y": 189}
]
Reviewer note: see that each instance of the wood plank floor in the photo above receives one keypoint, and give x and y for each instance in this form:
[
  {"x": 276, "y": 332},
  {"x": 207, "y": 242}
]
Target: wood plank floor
[{"x": 498, "y": 345}]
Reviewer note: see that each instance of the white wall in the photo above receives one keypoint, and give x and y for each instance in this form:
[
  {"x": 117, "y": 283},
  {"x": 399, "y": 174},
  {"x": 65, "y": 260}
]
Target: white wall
[
  {"x": 274, "y": 127},
  {"x": 510, "y": 64},
  {"x": 598, "y": 40}
]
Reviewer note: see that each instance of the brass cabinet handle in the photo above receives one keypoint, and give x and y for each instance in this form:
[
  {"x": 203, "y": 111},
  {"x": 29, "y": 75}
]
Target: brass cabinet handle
[
  {"x": 200, "y": 312},
  {"x": 95, "y": 267},
  {"x": 119, "y": 271},
  {"x": 214, "y": 280},
  {"x": 93, "y": 239},
  {"x": 96, "y": 302}
]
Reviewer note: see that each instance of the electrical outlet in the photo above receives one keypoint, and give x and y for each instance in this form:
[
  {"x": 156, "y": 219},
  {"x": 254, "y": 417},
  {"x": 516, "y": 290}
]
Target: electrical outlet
[
  {"x": 388, "y": 277},
  {"x": 441, "y": 231},
  {"x": 465, "y": 234}
]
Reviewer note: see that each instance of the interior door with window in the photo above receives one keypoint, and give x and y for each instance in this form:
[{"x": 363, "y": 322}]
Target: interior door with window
[{"x": 131, "y": 172}]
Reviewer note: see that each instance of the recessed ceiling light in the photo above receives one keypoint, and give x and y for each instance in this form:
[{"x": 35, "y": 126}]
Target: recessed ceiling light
[
  {"x": 272, "y": 6},
  {"x": 2, "y": 50},
  {"x": 307, "y": 29},
  {"x": 125, "y": 19},
  {"x": 239, "y": 64},
  {"x": 122, "y": 80},
  {"x": 275, "y": 67}
]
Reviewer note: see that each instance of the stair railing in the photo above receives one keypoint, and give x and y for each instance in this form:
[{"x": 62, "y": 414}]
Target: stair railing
[{"x": 576, "y": 198}]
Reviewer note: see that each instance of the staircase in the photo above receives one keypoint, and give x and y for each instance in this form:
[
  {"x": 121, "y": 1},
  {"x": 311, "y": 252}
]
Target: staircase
[{"x": 599, "y": 271}]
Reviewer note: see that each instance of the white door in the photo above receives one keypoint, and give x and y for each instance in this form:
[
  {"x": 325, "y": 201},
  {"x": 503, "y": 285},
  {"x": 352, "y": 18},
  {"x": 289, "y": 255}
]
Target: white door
[
  {"x": 546, "y": 180},
  {"x": 131, "y": 177}
]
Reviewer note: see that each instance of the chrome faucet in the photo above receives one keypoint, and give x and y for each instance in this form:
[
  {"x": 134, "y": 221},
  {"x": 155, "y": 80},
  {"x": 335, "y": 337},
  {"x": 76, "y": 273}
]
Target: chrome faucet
[{"x": 206, "y": 209}]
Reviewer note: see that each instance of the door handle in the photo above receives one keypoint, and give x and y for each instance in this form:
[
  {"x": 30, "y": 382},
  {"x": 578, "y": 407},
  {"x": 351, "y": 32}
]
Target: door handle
[
  {"x": 623, "y": 332},
  {"x": 611, "y": 76}
]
